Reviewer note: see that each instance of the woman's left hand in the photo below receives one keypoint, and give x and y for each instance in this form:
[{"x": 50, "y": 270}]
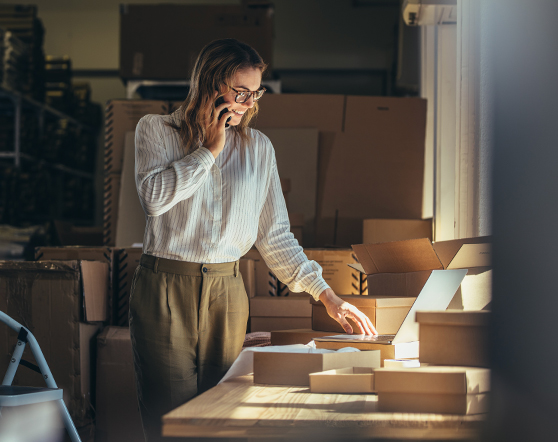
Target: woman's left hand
[{"x": 341, "y": 310}]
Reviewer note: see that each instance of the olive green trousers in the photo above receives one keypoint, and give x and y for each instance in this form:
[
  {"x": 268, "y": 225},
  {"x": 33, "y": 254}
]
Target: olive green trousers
[{"x": 187, "y": 324}]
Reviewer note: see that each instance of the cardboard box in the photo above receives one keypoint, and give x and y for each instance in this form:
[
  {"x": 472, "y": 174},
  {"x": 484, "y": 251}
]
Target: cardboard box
[
  {"x": 386, "y": 314},
  {"x": 279, "y": 306},
  {"x": 248, "y": 271},
  {"x": 454, "y": 337},
  {"x": 322, "y": 111},
  {"x": 296, "y": 153},
  {"x": 402, "y": 363},
  {"x": 343, "y": 380},
  {"x": 122, "y": 116},
  {"x": 401, "y": 268},
  {"x": 294, "y": 368},
  {"x": 271, "y": 323},
  {"x": 48, "y": 298},
  {"x": 342, "y": 279},
  {"x": 266, "y": 281},
  {"x": 79, "y": 253},
  {"x": 433, "y": 403},
  {"x": 453, "y": 390},
  {"x": 130, "y": 223},
  {"x": 127, "y": 260},
  {"x": 385, "y": 230},
  {"x": 404, "y": 350},
  {"x": 118, "y": 417},
  {"x": 296, "y": 336},
  {"x": 186, "y": 29},
  {"x": 279, "y": 313},
  {"x": 391, "y": 163}
]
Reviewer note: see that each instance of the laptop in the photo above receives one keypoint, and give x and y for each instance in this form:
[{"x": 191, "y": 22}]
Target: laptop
[{"x": 436, "y": 295}]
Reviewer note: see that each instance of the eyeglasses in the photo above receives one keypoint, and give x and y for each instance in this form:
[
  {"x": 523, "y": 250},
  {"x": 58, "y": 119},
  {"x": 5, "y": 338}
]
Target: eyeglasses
[{"x": 244, "y": 96}]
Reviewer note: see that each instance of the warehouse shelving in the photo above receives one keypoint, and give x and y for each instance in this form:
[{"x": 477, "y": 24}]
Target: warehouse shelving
[{"x": 18, "y": 103}]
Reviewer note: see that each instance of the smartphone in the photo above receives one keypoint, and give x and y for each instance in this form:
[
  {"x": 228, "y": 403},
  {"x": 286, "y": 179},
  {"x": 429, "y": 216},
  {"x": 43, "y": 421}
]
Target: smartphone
[{"x": 219, "y": 101}]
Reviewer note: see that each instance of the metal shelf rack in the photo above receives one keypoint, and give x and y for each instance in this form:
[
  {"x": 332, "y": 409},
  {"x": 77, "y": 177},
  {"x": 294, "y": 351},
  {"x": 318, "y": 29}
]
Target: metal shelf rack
[{"x": 19, "y": 102}]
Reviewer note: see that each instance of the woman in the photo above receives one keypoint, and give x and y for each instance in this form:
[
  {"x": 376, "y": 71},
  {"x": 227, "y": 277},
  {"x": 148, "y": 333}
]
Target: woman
[{"x": 210, "y": 189}]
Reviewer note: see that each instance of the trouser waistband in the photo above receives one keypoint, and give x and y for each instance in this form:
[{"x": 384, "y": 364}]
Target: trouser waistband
[{"x": 189, "y": 268}]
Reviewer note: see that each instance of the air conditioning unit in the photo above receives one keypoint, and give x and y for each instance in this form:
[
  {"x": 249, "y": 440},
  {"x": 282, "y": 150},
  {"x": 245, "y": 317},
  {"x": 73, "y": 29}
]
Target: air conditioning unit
[{"x": 429, "y": 12}]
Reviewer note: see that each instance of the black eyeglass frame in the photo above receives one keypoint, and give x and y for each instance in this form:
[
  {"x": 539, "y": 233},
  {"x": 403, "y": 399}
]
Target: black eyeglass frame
[{"x": 250, "y": 94}]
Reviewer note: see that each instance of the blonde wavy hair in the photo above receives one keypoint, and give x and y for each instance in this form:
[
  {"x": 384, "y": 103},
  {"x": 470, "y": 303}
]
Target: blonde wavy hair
[{"x": 214, "y": 70}]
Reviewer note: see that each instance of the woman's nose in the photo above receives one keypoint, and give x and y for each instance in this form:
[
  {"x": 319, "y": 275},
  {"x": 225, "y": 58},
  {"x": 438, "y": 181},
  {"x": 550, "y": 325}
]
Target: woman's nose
[{"x": 250, "y": 102}]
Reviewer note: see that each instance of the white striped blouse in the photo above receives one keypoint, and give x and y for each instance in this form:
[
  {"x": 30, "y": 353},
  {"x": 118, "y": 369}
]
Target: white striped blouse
[{"x": 206, "y": 210}]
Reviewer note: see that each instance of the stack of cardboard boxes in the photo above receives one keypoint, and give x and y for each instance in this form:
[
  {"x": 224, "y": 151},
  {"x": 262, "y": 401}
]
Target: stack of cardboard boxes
[
  {"x": 396, "y": 273},
  {"x": 455, "y": 380}
]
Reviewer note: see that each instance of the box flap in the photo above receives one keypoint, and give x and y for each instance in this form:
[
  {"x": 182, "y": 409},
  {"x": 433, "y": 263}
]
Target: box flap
[
  {"x": 471, "y": 256},
  {"x": 357, "y": 266},
  {"x": 95, "y": 290},
  {"x": 399, "y": 256},
  {"x": 454, "y": 317}
]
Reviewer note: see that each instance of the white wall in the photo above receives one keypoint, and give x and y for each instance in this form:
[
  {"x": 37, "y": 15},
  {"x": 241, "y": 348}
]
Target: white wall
[{"x": 456, "y": 81}]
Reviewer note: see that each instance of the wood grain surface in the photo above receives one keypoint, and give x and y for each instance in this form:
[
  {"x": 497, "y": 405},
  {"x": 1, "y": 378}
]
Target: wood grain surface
[{"x": 240, "y": 409}]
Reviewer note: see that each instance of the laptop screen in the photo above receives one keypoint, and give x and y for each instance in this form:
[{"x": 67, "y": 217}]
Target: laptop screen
[{"x": 436, "y": 295}]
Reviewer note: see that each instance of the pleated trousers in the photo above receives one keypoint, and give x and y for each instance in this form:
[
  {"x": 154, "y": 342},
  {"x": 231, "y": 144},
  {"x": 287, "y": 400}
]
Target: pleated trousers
[{"x": 187, "y": 324}]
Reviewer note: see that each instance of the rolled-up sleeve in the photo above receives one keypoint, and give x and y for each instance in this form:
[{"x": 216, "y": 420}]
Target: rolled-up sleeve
[
  {"x": 162, "y": 183},
  {"x": 278, "y": 246}
]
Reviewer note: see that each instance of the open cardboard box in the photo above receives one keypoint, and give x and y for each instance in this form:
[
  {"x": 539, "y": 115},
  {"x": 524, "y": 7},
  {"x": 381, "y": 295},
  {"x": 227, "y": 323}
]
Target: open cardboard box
[
  {"x": 386, "y": 314},
  {"x": 295, "y": 368},
  {"x": 85, "y": 254},
  {"x": 401, "y": 268},
  {"x": 343, "y": 380},
  {"x": 448, "y": 390},
  {"x": 435, "y": 295},
  {"x": 403, "y": 350},
  {"x": 54, "y": 299},
  {"x": 454, "y": 337}
]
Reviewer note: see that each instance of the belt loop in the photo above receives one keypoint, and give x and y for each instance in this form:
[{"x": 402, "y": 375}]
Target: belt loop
[
  {"x": 236, "y": 265},
  {"x": 156, "y": 265}
]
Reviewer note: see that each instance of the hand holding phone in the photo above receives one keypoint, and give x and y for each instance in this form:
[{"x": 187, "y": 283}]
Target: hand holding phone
[{"x": 219, "y": 101}]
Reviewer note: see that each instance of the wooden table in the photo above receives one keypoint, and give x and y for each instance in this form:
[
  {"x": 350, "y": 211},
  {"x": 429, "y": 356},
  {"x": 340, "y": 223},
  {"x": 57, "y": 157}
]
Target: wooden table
[{"x": 239, "y": 409}]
